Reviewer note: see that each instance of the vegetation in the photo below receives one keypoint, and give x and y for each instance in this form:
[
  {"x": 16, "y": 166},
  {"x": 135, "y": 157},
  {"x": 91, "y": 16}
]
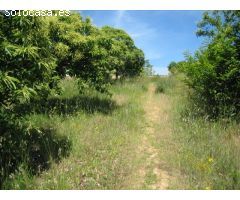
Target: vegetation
[
  {"x": 148, "y": 69},
  {"x": 214, "y": 71},
  {"x": 205, "y": 152},
  {"x": 164, "y": 83},
  {"x": 36, "y": 53},
  {"x": 102, "y": 130},
  {"x": 210, "y": 147},
  {"x": 81, "y": 108}
]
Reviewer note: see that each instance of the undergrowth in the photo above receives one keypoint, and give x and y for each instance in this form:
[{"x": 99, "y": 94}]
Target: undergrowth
[
  {"x": 101, "y": 129},
  {"x": 208, "y": 150}
]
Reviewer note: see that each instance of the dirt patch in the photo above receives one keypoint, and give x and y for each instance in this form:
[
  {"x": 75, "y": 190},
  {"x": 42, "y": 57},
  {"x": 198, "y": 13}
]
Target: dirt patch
[{"x": 156, "y": 111}]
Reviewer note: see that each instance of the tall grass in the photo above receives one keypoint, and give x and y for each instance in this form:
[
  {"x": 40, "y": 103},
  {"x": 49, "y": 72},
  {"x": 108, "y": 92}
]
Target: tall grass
[
  {"x": 208, "y": 150},
  {"x": 104, "y": 132},
  {"x": 90, "y": 141},
  {"x": 163, "y": 83}
]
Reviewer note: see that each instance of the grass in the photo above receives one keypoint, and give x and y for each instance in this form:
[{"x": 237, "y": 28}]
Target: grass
[
  {"x": 104, "y": 134},
  {"x": 163, "y": 84},
  {"x": 208, "y": 151},
  {"x": 198, "y": 153},
  {"x": 91, "y": 141}
]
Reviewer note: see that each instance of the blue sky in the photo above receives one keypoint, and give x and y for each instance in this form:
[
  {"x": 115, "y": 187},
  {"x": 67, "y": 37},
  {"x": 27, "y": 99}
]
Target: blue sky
[{"x": 163, "y": 35}]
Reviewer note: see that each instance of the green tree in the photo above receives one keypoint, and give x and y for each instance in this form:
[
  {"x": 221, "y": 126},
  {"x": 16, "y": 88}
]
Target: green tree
[
  {"x": 27, "y": 65},
  {"x": 27, "y": 71},
  {"x": 214, "y": 71},
  {"x": 172, "y": 67},
  {"x": 127, "y": 60},
  {"x": 81, "y": 50}
]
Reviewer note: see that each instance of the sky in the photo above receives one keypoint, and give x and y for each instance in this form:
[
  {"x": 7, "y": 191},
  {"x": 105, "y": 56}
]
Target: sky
[{"x": 162, "y": 35}]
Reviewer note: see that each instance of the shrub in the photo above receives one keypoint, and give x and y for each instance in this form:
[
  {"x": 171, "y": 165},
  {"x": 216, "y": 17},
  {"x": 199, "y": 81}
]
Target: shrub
[{"x": 214, "y": 71}]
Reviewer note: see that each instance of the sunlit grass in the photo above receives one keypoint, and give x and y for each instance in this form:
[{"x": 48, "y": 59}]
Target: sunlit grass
[
  {"x": 208, "y": 151},
  {"x": 105, "y": 133},
  {"x": 103, "y": 143}
]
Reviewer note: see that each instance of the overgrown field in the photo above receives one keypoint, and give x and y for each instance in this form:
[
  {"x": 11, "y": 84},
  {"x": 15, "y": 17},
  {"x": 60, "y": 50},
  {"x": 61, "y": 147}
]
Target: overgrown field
[
  {"x": 81, "y": 108},
  {"x": 96, "y": 141},
  {"x": 103, "y": 132},
  {"x": 207, "y": 154},
  {"x": 197, "y": 152}
]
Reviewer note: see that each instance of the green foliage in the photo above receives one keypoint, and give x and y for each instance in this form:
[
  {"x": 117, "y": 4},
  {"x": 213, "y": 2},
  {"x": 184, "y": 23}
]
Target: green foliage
[
  {"x": 81, "y": 50},
  {"x": 26, "y": 72},
  {"x": 27, "y": 66},
  {"x": 93, "y": 54},
  {"x": 36, "y": 53},
  {"x": 127, "y": 60},
  {"x": 24, "y": 143},
  {"x": 214, "y": 71},
  {"x": 172, "y": 67},
  {"x": 176, "y": 67},
  {"x": 160, "y": 89}
]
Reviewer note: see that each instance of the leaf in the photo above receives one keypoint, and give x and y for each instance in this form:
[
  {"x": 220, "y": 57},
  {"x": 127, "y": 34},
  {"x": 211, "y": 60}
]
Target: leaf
[{"x": 9, "y": 81}]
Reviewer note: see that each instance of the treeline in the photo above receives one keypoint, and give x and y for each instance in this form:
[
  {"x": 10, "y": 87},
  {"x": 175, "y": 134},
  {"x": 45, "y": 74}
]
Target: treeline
[
  {"x": 37, "y": 52},
  {"x": 213, "y": 72}
]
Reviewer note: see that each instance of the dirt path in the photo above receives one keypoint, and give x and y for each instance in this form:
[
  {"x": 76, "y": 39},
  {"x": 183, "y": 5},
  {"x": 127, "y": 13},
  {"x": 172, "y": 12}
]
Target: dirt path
[{"x": 152, "y": 173}]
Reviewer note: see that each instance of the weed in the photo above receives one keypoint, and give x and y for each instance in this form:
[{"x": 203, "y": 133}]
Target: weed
[{"x": 209, "y": 150}]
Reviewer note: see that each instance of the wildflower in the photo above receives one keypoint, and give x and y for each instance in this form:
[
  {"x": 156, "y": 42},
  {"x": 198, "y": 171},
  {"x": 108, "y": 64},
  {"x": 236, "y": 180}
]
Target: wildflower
[{"x": 210, "y": 159}]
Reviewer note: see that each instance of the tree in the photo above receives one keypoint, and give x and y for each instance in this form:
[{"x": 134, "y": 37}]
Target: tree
[
  {"x": 172, "y": 67},
  {"x": 214, "y": 71},
  {"x": 27, "y": 71},
  {"x": 81, "y": 50},
  {"x": 127, "y": 60},
  {"x": 27, "y": 65}
]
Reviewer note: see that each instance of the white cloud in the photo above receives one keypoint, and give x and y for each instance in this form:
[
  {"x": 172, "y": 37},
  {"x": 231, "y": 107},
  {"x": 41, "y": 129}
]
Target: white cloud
[
  {"x": 119, "y": 17},
  {"x": 135, "y": 28},
  {"x": 143, "y": 34},
  {"x": 142, "y": 31}
]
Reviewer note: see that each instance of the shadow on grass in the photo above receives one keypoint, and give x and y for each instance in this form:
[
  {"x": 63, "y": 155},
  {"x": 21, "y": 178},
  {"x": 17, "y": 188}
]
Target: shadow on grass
[
  {"x": 69, "y": 106},
  {"x": 44, "y": 147},
  {"x": 36, "y": 149}
]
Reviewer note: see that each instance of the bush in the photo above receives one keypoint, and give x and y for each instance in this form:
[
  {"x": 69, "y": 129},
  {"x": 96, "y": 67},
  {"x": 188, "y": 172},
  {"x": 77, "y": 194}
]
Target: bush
[{"x": 214, "y": 71}]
